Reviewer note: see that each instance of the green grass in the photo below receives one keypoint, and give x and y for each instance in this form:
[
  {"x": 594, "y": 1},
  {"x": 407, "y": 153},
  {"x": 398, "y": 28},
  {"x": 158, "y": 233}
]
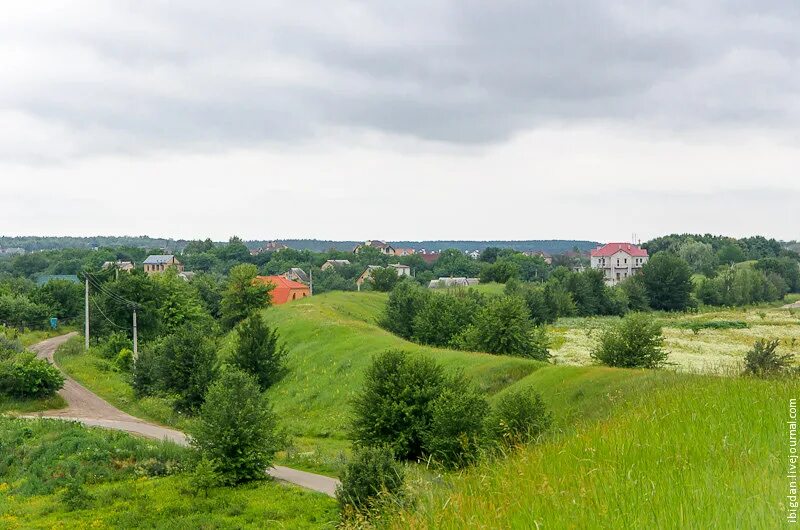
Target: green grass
[
  {"x": 29, "y": 338},
  {"x": 124, "y": 479},
  {"x": 10, "y": 405},
  {"x": 702, "y": 452}
]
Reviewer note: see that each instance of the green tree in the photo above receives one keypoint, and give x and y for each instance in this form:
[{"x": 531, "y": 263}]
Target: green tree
[
  {"x": 456, "y": 431},
  {"x": 700, "y": 257},
  {"x": 503, "y": 326},
  {"x": 636, "y": 342},
  {"x": 383, "y": 279},
  {"x": 236, "y": 428},
  {"x": 258, "y": 352},
  {"x": 405, "y": 301},
  {"x": 444, "y": 316},
  {"x": 668, "y": 282},
  {"x": 372, "y": 472},
  {"x": 243, "y": 295}
]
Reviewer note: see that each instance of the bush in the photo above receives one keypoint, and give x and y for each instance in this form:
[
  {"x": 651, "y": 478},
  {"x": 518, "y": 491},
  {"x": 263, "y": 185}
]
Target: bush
[
  {"x": 115, "y": 343},
  {"x": 395, "y": 405},
  {"x": 636, "y": 342},
  {"x": 124, "y": 360},
  {"x": 456, "y": 431},
  {"x": 236, "y": 428},
  {"x": 444, "y": 316},
  {"x": 258, "y": 353},
  {"x": 763, "y": 360},
  {"x": 370, "y": 474},
  {"x": 668, "y": 281},
  {"x": 504, "y": 327},
  {"x": 519, "y": 417},
  {"x": 25, "y": 376},
  {"x": 405, "y": 300}
]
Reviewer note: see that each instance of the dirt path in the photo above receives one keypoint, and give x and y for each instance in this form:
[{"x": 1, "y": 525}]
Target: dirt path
[
  {"x": 795, "y": 305},
  {"x": 86, "y": 407}
]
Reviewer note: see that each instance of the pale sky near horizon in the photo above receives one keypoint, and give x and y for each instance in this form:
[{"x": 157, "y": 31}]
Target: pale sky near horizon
[{"x": 400, "y": 121}]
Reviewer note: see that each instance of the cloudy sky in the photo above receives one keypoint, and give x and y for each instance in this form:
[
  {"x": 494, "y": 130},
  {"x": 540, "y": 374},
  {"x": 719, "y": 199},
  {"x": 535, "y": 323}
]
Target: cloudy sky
[{"x": 400, "y": 120}]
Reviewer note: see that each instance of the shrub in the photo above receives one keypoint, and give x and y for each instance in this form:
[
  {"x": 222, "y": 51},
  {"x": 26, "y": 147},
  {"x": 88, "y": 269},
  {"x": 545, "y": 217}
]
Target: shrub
[
  {"x": 444, "y": 316},
  {"x": 25, "y": 376},
  {"x": 519, "y": 417},
  {"x": 383, "y": 279},
  {"x": 636, "y": 342},
  {"x": 370, "y": 474},
  {"x": 394, "y": 407},
  {"x": 456, "y": 431},
  {"x": 405, "y": 300},
  {"x": 124, "y": 360},
  {"x": 504, "y": 327},
  {"x": 75, "y": 495},
  {"x": 258, "y": 353},
  {"x": 205, "y": 476},
  {"x": 236, "y": 428},
  {"x": 763, "y": 360},
  {"x": 115, "y": 343}
]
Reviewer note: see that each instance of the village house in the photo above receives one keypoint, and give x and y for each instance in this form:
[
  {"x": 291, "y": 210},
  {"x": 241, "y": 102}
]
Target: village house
[
  {"x": 618, "y": 261},
  {"x": 271, "y": 246},
  {"x": 124, "y": 266},
  {"x": 404, "y": 252},
  {"x": 382, "y": 246},
  {"x": 157, "y": 263},
  {"x": 539, "y": 254},
  {"x": 296, "y": 274},
  {"x": 428, "y": 257},
  {"x": 400, "y": 269},
  {"x": 474, "y": 254},
  {"x": 444, "y": 283},
  {"x": 284, "y": 290},
  {"x": 333, "y": 263}
]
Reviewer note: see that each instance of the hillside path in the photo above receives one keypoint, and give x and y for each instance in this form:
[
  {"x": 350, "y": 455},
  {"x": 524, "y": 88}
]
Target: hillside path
[{"x": 88, "y": 408}]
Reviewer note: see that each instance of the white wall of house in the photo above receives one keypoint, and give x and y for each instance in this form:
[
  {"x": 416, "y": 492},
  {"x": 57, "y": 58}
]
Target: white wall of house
[{"x": 619, "y": 266}]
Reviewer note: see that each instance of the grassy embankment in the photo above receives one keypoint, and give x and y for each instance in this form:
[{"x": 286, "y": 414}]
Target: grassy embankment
[
  {"x": 331, "y": 339},
  {"x": 125, "y": 486}
]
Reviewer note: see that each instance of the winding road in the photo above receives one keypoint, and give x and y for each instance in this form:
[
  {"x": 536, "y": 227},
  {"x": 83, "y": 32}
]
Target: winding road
[{"x": 88, "y": 408}]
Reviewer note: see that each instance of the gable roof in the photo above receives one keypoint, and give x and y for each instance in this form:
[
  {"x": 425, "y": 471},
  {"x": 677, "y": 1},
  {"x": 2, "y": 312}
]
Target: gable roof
[
  {"x": 612, "y": 248},
  {"x": 338, "y": 262},
  {"x": 283, "y": 287},
  {"x": 43, "y": 279},
  {"x": 300, "y": 273},
  {"x": 158, "y": 259}
]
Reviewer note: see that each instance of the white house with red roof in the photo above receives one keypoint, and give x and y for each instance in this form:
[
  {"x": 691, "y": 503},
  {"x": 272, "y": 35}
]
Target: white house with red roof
[{"x": 618, "y": 261}]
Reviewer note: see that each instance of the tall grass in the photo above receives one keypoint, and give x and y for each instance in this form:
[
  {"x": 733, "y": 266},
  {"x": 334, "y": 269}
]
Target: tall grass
[{"x": 701, "y": 453}]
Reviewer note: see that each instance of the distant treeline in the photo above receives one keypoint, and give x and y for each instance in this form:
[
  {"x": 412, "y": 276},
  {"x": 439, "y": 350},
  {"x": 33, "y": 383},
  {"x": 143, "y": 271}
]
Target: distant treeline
[{"x": 35, "y": 243}]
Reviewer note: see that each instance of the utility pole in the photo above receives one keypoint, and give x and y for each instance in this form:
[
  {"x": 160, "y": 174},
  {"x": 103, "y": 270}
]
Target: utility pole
[
  {"x": 310, "y": 281},
  {"x": 135, "y": 338},
  {"x": 86, "y": 312}
]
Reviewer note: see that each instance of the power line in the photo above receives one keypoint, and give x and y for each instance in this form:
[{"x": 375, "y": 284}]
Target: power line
[{"x": 105, "y": 316}]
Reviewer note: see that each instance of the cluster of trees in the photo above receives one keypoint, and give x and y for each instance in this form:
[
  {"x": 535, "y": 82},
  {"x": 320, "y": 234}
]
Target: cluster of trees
[
  {"x": 410, "y": 409},
  {"x": 23, "y": 304},
  {"x": 464, "y": 319}
]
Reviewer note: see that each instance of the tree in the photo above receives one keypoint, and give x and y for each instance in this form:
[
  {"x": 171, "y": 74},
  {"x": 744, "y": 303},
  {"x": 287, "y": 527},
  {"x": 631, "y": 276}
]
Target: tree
[
  {"x": 503, "y": 326},
  {"x": 179, "y": 303},
  {"x": 258, "y": 352},
  {"x": 183, "y": 363},
  {"x": 636, "y": 291},
  {"x": 455, "y": 434},
  {"x": 236, "y": 428},
  {"x": 383, "y": 279},
  {"x": 443, "y": 316},
  {"x": 636, "y": 342},
  {"x": 405, "y": 301},
  {"x": 395, "y": 405},
  {"x": 700, "y": 257},
  {"x": 64, "y": 298},
  {"x": 668, "y": 282},
  {"x": 243, "y": 295}
]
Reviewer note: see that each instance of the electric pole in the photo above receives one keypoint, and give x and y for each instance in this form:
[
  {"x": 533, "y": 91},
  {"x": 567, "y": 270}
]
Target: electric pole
[
  {"x": 310, "y": 282},
  {"x": 86, "y": 312},
  {"x": 135, "y": 338}
]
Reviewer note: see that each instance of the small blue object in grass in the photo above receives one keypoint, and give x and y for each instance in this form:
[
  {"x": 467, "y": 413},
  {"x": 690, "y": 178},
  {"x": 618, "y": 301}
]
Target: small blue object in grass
[{"x": 54, "y": 323}]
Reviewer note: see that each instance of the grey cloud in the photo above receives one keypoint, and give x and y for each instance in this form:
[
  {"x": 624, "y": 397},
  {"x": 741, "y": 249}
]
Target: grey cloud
[{"x": 462, "y": 72}]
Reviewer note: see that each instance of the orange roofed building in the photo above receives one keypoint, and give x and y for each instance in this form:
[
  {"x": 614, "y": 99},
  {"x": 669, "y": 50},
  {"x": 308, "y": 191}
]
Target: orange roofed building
[{"x": 285, "y": 290}]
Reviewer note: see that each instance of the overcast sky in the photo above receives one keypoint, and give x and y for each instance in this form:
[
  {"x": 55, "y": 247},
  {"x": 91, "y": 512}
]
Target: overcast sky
[{"x": 400, "y": 120}]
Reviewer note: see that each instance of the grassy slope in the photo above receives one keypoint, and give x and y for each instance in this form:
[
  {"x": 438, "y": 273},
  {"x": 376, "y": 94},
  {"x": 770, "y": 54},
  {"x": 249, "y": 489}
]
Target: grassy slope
[{"x": 704, "y": 453}]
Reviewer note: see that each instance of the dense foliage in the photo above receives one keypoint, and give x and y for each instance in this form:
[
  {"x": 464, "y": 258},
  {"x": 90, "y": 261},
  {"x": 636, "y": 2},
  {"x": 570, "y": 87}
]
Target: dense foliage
[
  {"x": 236, "y": 428},
  {"x": 519, "y": 417},
  {"x": 636, "y": 342},
  {"x": 371, "y": 473},
  {"x": 258, "y": 351}
]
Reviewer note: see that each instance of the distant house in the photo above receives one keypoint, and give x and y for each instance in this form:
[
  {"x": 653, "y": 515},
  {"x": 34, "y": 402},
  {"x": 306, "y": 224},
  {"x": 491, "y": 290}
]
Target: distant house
[
  {"x": 382, "y": 246},
  {"x": 285, "y": 290},
  {"x": 125, "y": 266},
  {"x": 271, "y": 246},
  {"x": 160, "y": 262},
  {"x": 475, "y": 254},
  {"x": 11, "y": 251},
  {"x": 404, "y": 252},
  {"x": 428, "y": 257},
  {"x": 444, "y": 283},
  {"x": 44, "y": 279},
  {"x": 186, "y": 276},
  {"x": 334, "y": 263},
  {"x": 296, "y": 274},
  {"x": 400, "y": 269},
  {"x": 540, "y": 254},
  {"x": 618, "y": 261}
]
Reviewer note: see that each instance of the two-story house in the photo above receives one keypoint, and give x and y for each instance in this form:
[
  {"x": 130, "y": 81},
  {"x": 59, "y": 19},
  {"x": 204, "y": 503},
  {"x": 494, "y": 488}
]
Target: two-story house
[
  {"x": 618, "y": 261},
  {"x": 160, "y": 262}
]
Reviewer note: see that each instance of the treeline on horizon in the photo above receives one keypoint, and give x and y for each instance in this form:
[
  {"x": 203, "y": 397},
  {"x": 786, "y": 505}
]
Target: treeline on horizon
[{"x": 37, "y": 243}]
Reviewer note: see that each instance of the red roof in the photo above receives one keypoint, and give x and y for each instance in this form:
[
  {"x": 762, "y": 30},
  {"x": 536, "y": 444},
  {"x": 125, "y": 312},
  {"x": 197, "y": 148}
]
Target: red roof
[
  {"x": 284, "y": 288},
  {"x": 612, "y": 248}
]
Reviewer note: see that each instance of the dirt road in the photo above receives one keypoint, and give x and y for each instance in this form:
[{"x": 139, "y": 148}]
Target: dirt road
[{"x": 86, "y": 407}]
